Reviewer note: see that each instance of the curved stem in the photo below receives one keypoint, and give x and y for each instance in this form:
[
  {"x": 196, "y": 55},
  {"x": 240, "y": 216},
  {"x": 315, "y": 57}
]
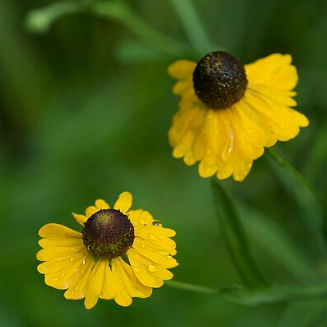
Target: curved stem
[
  {"x": 235, "y": 238},
  {"x": 192, "y": 287},
  {"x": 279, "y": 159},
  {"x": 192, "y": 25},
  {"x": 253, "y": 297},
  {"x": 40, "y": 20}
]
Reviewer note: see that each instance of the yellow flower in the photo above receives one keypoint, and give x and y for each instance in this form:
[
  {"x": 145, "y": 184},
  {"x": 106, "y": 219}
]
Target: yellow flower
[
  {"x": 228, "y": 113},
  {"x": 120, "y": 254}
]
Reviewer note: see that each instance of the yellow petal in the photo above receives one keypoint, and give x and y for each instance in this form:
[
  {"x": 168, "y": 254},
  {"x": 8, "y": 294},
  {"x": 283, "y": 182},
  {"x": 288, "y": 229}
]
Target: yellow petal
[
  {"x": 57, "y": 264},
  {"x": 61, "y": 279},
  {"x": 60, "y": 242},
  {"x": 54, "y": 252},
  {"x": 95, "y": 284},
  {"x": 79, "y": 280},
  {"x": 142, "y": 272},
  {"x": 124, "y": 202},
  {"x": 101, "y": 204},
  {"x": 81, "y": 219},
  {"x": 56, "y": 230},
  {"x": 181, "y": 69},
  {"x": 91, "y": 210},
  {"x": 154, "y": 253},
  {"x": 108, "y": 288}
]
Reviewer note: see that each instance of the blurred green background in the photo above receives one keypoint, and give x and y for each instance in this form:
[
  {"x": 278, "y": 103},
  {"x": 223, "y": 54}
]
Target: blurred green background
[{"x": 84, "y": 114}]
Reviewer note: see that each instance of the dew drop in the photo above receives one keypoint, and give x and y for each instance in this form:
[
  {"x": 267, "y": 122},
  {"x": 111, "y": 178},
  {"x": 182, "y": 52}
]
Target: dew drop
[
  {"x": 136, "y": 269},
  {"x": 143, "y": 222},
  {"x": 156, "y": 223},
  {"x": 152, "y": 268},
  {"x": 152, "y": 237},
  {"x": 143, "y": 246}
]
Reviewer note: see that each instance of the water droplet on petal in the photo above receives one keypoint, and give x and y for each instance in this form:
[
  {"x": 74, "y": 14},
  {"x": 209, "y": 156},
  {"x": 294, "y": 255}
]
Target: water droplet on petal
[
  {"x": 143, "y": 245},
  {"x": 156, "y": 223},
  {"x": 152, "y": 237},
  {"x": 136, "y": 269},
  {"x": 152, "y": 268},
  {"x": 143, "y": 222}
]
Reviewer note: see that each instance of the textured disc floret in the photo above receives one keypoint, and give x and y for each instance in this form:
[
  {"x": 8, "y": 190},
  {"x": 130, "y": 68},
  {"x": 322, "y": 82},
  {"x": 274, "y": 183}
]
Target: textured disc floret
[
  {"x": 219, "y": 80},
  {"x": 108, "y": 234}
]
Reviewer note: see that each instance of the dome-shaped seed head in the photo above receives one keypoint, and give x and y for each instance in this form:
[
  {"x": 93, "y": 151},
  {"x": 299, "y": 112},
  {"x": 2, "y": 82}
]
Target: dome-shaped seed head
[
  {"x": 219, "y": 80},
  {"x": 108, "y": 234}
]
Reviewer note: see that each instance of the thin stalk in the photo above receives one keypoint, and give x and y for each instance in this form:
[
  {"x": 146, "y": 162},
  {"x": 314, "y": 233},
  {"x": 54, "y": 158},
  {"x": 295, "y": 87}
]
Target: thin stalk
[
  {"x": 279, "y": 159},
  {"x": 253, "y": 297},
  {"x": 40, "y": 20},
  {"x": 235, "y": 238},
  {"x": 192, "y": 25},
  {"x": 120, "y": 12}
]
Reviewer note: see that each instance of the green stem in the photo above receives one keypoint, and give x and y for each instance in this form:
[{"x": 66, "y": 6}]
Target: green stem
[
  {"x": 40, "y": 20},
  {"x": 279, "y": 159},
  {"x": 192, "y": 25},
  {"x": 253, "y": 297},
  {"x": 235, "y": 238},
  {"x": 120, "y": 12},
  {"x": 192, "y": 287}
]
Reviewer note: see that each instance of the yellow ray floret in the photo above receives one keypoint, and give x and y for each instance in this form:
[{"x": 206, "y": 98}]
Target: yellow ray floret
[
  {"x": 226, "y": 141},
  {"x": 68, "y": 265}
]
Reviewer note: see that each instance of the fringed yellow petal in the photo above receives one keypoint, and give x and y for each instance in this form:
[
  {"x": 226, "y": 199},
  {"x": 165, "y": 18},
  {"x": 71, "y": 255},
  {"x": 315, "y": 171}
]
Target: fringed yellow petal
[
  {"x": 101, "y": 204},
  {"x": 124, "y": 202},
  {"x": 181, "y": 69},
  {"x": 56, "y": 230},
  {"x": 95, "y": 284},
  {"x": 142, "y": 271},
  {"x": 81, "y": 219}
]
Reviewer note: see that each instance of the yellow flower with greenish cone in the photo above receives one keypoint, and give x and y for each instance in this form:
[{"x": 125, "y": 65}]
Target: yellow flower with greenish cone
[
  {"x": 120, "y": 254},
  {"x": 228, "y": 113}
]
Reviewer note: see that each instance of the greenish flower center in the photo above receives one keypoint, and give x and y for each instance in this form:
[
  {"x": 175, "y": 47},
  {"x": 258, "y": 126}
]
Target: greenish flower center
[
  {"x": 219, "y": 80},
  {"x": 108, "y": 234}
]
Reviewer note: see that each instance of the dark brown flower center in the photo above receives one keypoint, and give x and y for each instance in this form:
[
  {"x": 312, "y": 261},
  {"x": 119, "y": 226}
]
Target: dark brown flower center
[
  {"x": 108, "y": 234},
  {"x": 219, "y": 80}
]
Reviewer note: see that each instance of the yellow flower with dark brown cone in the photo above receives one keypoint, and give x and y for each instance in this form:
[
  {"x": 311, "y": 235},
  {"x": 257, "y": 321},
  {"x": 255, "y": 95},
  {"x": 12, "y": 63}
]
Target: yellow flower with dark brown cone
[
  {"x": 120, "y": 254},
  {"x": 228, "y": 113}
]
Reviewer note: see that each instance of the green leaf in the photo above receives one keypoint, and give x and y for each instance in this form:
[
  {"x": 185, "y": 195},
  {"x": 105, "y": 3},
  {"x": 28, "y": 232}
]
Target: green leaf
[{"x": 235, "y": 238}]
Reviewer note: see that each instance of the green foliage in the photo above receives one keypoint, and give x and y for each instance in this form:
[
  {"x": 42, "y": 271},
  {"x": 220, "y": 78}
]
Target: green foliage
[{"x": 84, "y": 112}]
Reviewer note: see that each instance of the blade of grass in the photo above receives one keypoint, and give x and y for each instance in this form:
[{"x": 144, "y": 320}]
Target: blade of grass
[{"x": 235, "y": 238}]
